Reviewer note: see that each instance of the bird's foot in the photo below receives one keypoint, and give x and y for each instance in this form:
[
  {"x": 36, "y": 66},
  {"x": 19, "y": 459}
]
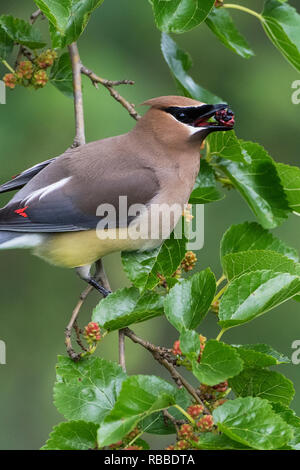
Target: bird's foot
[{"x": 100, "y": 288}]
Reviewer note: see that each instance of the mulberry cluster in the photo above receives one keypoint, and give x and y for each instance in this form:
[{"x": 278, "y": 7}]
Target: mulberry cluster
[
  {"x": 195, "y": 411},
  {"x": 31, "y": 73},
  {"x": 205, "y": 424},
  {"x": 188, "y": 433},
  {"x": 46, "y": 59},
  {"x": 189, "y": 261},
  {"x": 92, "y": 332},
  {"x": 177, "y": 351},
  {"x": 210, "y": 393}
]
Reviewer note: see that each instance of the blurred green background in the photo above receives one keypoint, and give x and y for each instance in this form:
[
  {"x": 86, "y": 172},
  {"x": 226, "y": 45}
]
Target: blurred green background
[{"x": 122, "y": 41}]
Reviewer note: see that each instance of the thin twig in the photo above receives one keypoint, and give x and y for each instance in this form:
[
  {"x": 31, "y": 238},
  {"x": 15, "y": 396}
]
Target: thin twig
[
  {"x": 122, "y": 350},
  {"x": 101, "y": 277},
  {"x": 68, "y": 331},
  {"x": 162, "y": 355},
  {"x": 78, "y": 332},
  {"x": 77, "y": 93},
  {"x": 109, "y": 84},
  {"x": 80, "y": 140},
  {"x": 176, "y": 422},
  {"x": 22, "y": 49},
  {"x": 35, "y": 16}
]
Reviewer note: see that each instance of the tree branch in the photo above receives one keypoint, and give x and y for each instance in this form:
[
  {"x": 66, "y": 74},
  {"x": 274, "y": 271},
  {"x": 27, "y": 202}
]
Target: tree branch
[
  {"x": 78, "y": 69},
  {"x": 102, "y": 278},
  {"x": 122, "y": 349},
  {"x": 77, "y": 93},
  {"x": 109, "y": 84},
  {"x": 22, "y": 49},
  {"x": 68, "y": 331},
  {"x": 163, "y": 356},
  {"x": 80, "y": 140}
]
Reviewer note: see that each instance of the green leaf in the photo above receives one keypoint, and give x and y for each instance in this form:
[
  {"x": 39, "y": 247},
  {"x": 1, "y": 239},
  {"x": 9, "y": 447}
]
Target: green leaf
[
  {"x": 220, "y": 22},
  {"x": 140, "y": 396},
  {"x": 68, "y": 18},
  {"x": 156, "y": 423},
  {"x": 255, "y": 293},
  {"x": 61, "y": 75},
  {"x": 252, "y": 422},
  {"x": 205, "y": 188},
  {"x": 226, "y": 145},
  {"x": 141, "y": 443},
  {"x": 190, "y": 343},
  {"x": 6, "y": 45},
  {"x": 188, "y": 301},
  {"x": 210, "y": 441},
  {"x": 259, "y": 183},
  {"x": 87, "y": 389},
  {"x": 236, "y": 264},
  {"x": 288, "y": 415},
  {"x": 252, "y": 236},
  {"x": 21, "y": 32},
  {"x": 179, "y": 63},
  {"x": 281, "y": 23},
  {"x": 56, "y": 12},
  {"x": 290, "y": 180},
  {"x": 178, "y": 16},
  {"x": 294, "y": 443},
  {"x": 127, "y": 306},
  {"x": 74, "y": 435},
  {"x": 260, "y": 355},
  {"x": 219, "y": 362},
  {"x": 263, "y": 383},
  {"x": 143, "y": 267}
]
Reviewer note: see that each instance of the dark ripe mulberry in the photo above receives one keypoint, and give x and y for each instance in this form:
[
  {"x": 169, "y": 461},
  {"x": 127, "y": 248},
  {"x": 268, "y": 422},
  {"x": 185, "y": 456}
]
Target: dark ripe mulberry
[
  {"x": 225, "y": 117},
  {"x": 221, "y": 387}
]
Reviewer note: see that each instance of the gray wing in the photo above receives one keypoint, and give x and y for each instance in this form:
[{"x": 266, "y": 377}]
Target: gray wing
[
  {"x": 24, "y": 177},
  {"x": 65, "y": 195}
]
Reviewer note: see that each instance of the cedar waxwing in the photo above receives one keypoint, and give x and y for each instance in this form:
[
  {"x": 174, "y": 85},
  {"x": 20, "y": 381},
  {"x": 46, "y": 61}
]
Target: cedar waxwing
[{"x": 156, "y": 164}]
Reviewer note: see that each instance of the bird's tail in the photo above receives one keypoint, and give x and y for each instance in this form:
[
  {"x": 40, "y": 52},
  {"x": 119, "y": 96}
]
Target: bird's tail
[{"x": 10, "y": 239}]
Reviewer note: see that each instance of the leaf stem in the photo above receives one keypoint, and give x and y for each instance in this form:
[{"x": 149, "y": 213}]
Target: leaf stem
[
  {"x": 135, "y": 438},
  {"x": 208, "y": 152},
  {"x": 185, "y": 414},
  {"x": 219, "y": 281},
  {"x": 221, "y": 334},
  {"x": 245, "y": 9},
  {"x": 8, "y": 66},
  {"x": 162, "y": 355},
  {"x": 218, "y": 295}
]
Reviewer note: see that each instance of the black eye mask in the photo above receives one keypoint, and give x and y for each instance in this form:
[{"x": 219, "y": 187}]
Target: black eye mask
[{"x": 199, "y": 116}]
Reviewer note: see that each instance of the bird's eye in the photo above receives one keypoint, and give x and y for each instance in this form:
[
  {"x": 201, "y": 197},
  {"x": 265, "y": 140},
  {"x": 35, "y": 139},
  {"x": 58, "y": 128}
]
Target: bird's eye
[{"x": 179, "y": 114}]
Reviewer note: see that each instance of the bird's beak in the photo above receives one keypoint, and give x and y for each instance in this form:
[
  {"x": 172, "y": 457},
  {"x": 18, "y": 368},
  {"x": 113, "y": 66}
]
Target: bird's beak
[{"x": 223, "y": 117}]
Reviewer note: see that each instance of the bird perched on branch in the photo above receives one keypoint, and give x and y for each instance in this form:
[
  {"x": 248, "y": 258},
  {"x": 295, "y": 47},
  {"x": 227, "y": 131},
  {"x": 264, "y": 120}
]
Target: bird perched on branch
[{"x": 62, "y": 210}]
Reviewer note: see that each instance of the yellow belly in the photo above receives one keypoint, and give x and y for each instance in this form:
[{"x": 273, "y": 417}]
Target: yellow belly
[{"x": 74, "y": 249}]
